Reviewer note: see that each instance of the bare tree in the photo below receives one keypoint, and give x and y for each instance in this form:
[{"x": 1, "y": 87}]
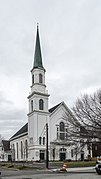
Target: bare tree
[
  {"x": 84, "y": 122},
  {"x": 87, "y": 111}
]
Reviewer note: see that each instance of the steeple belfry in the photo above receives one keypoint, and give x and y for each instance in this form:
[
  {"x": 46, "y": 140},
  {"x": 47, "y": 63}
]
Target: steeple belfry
[
  {"x": 38, "y": 114},
  {"x": 37, "y": 55}
]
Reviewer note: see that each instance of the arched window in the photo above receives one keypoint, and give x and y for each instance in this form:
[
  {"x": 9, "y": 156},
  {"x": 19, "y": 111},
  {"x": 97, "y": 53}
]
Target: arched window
[
  {"x": 13, "y": 152},
  {"x": 13, "y": 147},
  {"x": 21, "y": 149},
  {"x": 62, "y": 131},
  {"x": 54, "y": 154},
  {"x": 32, "y": 79},
  {"x": 26, "y": 149},
  {"x": 40, "y": 140},
  {"x": 40, "y": 78},
  {"x": 62, "y": 126},
  {"x": 72, "y": 152},
  {"x": 41, "y": 104},
  {"x": 57, "y": 133},
  {"x": 31, "y": 105},
  {"x": 43, "y": 140},
  {"x": 17, "y": 150}
]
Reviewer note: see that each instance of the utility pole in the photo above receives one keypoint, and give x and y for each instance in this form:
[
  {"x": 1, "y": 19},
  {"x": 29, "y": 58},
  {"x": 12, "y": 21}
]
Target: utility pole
[{"x": 47, "y": 145}]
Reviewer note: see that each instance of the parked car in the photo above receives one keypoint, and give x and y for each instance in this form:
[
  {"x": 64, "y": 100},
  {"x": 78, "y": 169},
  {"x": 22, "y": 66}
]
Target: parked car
[{"x": 98, "y": 166}]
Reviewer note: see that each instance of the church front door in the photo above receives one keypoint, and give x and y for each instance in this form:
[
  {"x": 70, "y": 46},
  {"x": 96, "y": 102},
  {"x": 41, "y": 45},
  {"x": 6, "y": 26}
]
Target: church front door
[
  {"x": 62, "y": 154},
  {"x": 42, "y": 154}
]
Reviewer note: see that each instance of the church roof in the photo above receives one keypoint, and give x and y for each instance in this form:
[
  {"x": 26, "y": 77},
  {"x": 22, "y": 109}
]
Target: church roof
[
  {"x": 24, "y": 130},
  {"x": 53, "y": 108},
  {"x": 37, "y": 55}
]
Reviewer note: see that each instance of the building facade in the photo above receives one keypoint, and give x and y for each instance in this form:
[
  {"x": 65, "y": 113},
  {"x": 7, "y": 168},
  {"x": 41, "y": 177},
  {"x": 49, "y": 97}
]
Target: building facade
[
  {"x": 29, "y": 143},
  {"x": 5, "y": 152}
]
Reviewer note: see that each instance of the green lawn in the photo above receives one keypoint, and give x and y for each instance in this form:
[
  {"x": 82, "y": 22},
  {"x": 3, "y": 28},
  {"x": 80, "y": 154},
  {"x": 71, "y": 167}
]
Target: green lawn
[
  {"x": 81, "y": 164},
  {"x": 52, "y": 164},
  {"x": 74, "y": 163}
]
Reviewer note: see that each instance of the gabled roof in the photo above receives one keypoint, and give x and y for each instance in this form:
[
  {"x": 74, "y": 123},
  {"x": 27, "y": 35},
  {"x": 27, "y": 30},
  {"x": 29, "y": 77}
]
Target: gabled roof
[
  {"x": 6, "y": 145},
  {"x": 21, "y": 132},
  {"x": 53, "y": 108},
  {"x": 24, "y": 130}
]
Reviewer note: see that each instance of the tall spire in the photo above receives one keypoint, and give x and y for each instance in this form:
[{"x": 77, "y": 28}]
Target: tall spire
[{"x": 37, "y": 55}]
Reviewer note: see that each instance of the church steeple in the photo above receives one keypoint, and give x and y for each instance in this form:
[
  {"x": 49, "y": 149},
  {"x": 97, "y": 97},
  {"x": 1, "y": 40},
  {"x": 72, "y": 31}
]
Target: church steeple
[
  {"x": 37, "y": 55},
  {"x": 38, "y": 114}
]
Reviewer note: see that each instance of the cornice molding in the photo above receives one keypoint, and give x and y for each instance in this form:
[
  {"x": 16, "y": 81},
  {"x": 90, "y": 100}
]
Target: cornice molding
[{"x": 38, "y": 93}]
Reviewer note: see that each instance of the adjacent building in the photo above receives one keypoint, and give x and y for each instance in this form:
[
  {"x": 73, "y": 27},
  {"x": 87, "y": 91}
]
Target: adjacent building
[{"x": 5, "y": 151}]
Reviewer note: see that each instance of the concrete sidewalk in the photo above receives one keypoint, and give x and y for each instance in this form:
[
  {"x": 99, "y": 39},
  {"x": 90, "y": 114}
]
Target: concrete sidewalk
[
  {"x": 76, "y": 169},
  {"x": 81, "y": 168}
]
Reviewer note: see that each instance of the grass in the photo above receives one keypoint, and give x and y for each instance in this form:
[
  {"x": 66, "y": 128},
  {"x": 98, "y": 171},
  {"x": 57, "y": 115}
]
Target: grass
[
  {"x": 54, "y": 164},
  {"x": 81, "y": 164},
  {"x": 17, "y": 166},
  {"x": 74, "y": 163}
]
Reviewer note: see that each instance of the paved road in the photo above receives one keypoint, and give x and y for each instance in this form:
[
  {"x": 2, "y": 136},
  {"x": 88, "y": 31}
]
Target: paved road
[
  {"x": 57, "y": 176},
  {"x": 45, "y": 174}
]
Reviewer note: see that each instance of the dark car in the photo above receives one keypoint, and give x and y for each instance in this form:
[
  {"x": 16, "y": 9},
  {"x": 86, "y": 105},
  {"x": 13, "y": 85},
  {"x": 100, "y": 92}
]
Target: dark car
[{"x": 98, "y": 168}]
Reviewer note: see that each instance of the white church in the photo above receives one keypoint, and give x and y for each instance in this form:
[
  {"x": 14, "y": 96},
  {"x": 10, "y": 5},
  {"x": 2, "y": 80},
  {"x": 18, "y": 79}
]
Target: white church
[{"x": 29, "y": 143}]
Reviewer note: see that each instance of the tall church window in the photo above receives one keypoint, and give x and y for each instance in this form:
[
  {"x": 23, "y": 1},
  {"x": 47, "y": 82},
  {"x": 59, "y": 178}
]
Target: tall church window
[
  {"x": 62, "y": 131},
  {"x": 57, "y": 133},
  {"x": 43, "y": 140},
  {"x": 41, "y": 104},
  {"x": 54, "y": 154},
  {"x": 40, "y": 140},
  {"x": 32, "y": 79},
  {"x": 40, "y": 78},
  {"x": 17, "y": 150},
  {"x": 31, "y": 105},
  {"x": 72, "y": 153},
  {"x": 26, "y": 149},
  {"x": 13, "y": 152},
  {"x": 21, "y": 149}
]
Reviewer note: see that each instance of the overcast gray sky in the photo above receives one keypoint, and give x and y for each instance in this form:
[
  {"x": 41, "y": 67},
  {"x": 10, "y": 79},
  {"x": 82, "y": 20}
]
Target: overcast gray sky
[{"x": 70, "y": 35}]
